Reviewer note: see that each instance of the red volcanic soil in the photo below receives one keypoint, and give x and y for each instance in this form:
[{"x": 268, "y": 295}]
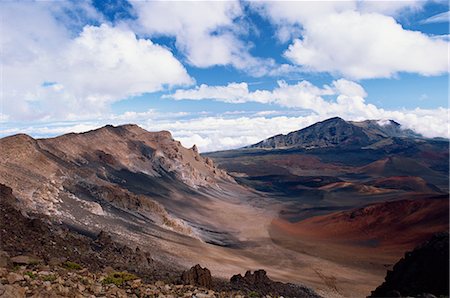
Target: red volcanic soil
[{"x": 398, "y": 223}]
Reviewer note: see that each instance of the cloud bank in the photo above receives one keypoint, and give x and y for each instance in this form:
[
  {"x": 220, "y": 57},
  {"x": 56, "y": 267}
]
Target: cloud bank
[{"x": 348, "y": 101}]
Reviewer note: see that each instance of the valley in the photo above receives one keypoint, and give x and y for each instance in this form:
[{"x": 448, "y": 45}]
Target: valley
[{"x": 331, "y": 207}]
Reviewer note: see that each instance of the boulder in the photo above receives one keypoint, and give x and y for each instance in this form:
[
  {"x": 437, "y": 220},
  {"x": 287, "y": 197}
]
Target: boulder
[
  {"x": 13, "y": 277},
  {"x": 197, "y": 276},
  {"x": 5, "y": 260},
  {"x": 11, "y": 291}
]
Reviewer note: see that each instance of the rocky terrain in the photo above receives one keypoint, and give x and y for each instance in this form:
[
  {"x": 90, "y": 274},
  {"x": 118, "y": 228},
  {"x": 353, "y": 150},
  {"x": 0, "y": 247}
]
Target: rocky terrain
[
  {"x": 40, "y": 259},
  {"x": 356, "y": 193},
  {"x": 34, "y": 280},
  {"x": 331, "y": 208}
]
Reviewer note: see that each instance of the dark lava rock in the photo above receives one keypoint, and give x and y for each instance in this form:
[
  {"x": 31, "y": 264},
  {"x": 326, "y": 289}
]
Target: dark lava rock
[
  {"x": 260, "y": 283},
  {"x": 258, "y": 278},
  {"x": 423, "y": 272},
  {"x": 197, "y": 276}
]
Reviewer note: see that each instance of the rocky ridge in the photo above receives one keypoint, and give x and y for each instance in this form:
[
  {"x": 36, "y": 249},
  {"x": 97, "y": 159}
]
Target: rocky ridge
[{"x": 82, "y": 179}]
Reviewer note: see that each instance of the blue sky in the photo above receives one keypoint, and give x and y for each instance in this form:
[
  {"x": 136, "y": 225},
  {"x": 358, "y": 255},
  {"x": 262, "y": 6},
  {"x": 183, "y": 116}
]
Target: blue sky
[{"x": 222, "y": 74}]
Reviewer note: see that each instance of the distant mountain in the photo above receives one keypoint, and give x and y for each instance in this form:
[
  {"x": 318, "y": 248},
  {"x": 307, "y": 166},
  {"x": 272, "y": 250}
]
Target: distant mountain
[{"x": 336, "y": 132}]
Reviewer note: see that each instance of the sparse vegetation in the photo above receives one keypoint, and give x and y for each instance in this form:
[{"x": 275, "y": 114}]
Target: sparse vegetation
[
  {"x": 119, "y": 278},
  {"x": 253, "y": 294},
  {"x": 50, "y": 277},
  {"x": 30, "y": 274},
  {"x": 72, "y": 265}
]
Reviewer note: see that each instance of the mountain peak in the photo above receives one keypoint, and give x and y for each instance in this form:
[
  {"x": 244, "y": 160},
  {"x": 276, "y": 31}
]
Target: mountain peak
[
  {"x": 335, "y": 132},
  {"x": 333, "y": 119}
]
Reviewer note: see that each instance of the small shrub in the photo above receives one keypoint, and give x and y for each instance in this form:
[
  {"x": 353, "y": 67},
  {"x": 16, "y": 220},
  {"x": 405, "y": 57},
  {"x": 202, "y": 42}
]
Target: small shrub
[
  {"x": 119, "y": 278},
  {"x": 253, "y": 294},
  {"x": 72, "y": 265},
  {"x": 30, "y": 274},
  {"x": 50, "y": 277}
]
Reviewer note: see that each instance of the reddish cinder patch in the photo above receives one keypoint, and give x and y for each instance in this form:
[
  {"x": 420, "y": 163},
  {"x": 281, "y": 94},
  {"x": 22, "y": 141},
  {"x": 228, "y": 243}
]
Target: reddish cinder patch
[{"x": 398, "y": 223}]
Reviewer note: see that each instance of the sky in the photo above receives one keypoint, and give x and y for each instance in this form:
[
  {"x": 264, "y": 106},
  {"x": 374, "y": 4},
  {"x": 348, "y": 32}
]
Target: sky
[{"x": 222, "y": 75}]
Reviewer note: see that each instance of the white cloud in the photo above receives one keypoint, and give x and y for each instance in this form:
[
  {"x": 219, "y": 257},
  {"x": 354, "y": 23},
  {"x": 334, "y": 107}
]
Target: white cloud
[
  {"x": 390, "y": 7},
  {"x": 362, "y": 46},
  {"x": 203, "y": 30},
  {"x": 50, "y": 72},
  {"x": 349, "y": 88},
  {"x": 207, "y": 33},
  {"x": 355, "y": 39},
  {"x": 217, "y": 133},
  {"x": 443, "y": 17},
  {"x": 233, "y": 92},
  {"x": 115, "y": 64}
]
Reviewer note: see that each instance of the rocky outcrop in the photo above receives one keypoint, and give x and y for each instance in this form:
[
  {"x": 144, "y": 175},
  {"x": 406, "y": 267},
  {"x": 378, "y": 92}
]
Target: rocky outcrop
[
  {"x": 197, "y": 276},
  {"x": 257, "y": 279},
  {"x": 260, "y": 283},
  {"x": 422, "y": 272}
]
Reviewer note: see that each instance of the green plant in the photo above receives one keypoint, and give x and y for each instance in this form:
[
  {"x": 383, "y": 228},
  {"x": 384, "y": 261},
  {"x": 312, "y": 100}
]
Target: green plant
[
  {"x": 30, "y": 274},
  {"x": 119, "y": 278},
  {"x": 72, "y": 265},
  {"x": 50, "y": 277},
  {"x": 253, "y": 294}
]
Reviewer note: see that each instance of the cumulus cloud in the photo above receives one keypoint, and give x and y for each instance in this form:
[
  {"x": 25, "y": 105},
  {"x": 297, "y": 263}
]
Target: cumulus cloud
[
  {"x": 50, "y": 72},
  {"x": 203, "y": 30},
  {"x": 362, "y": 46},
  {"x": 355, "y": 39},
  {"x": 207, "y": 33},
  {"x": 231, "y": 93}
]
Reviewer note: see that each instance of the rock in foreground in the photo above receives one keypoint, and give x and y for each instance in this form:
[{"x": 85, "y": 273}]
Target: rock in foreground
[
  {"x": 423, "y": 271},
  {"x": 259, "y": 282},
  {"x": 197, "y": 276}
]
